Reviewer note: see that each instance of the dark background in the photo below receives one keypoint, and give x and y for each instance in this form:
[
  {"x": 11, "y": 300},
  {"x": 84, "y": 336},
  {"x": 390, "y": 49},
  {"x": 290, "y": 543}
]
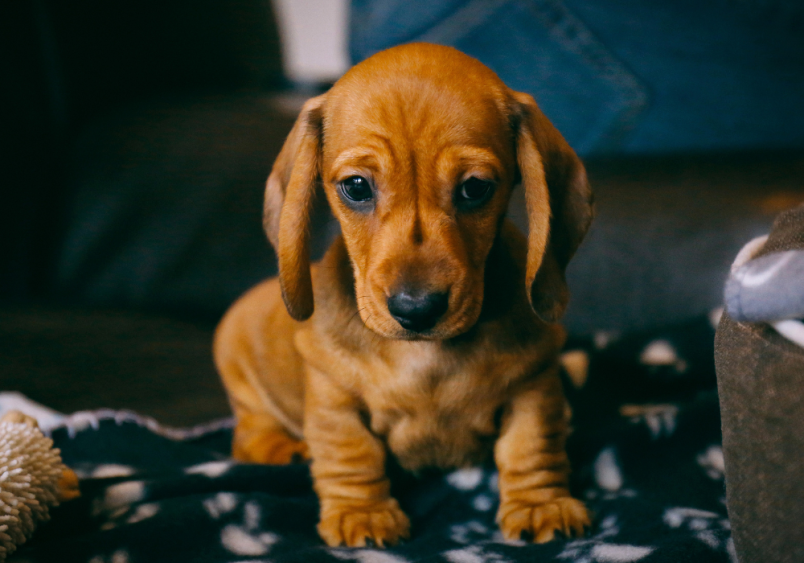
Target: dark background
[{"x": 137, "y": 136}]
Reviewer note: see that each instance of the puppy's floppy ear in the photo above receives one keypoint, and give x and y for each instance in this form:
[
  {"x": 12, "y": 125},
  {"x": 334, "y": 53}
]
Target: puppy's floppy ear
[
  {"x": 289, "y": 196},
  {"x": 559, "y": 205}
]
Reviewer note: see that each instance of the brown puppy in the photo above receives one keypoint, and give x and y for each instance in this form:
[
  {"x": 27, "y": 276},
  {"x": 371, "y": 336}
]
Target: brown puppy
[{"x": 433, "y": 336}]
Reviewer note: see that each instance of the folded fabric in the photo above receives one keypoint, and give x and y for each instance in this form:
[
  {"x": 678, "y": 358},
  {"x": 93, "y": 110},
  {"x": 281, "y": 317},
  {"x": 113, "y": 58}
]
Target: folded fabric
[
  {"x": 768, "y": 288},
  {"x": 766, "y": 284}
]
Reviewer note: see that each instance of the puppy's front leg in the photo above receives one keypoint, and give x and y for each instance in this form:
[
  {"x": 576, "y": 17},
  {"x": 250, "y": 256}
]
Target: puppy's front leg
[
  {"x": 533, "y": 466},
  {"x": 348, "y": 470}
]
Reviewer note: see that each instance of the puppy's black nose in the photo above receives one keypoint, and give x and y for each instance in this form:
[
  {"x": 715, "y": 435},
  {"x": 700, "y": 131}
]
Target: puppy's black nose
[{"x": 417, "y": 311}]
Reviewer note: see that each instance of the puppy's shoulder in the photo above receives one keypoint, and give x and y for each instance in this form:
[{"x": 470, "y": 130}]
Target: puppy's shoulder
[
  {"x": 250, "y": 309},
  {"x": 255, "y": 323}
]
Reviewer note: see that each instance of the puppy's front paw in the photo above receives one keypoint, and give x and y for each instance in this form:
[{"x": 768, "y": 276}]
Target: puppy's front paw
[
  {"x": 380, "y": 524},
  {"x": 540, "y": 522}
]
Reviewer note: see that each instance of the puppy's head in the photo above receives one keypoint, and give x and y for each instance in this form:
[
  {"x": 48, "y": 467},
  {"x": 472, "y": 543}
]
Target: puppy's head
[{"x": 418, "y": 149}]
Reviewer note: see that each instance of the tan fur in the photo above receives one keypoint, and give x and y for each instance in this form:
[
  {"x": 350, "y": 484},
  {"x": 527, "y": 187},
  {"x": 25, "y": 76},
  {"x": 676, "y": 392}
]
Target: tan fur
[{"x": 349, "y": 380}]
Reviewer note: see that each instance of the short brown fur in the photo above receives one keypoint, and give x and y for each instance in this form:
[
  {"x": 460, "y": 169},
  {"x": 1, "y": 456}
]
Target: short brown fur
[{"x": 348, "y": 385}]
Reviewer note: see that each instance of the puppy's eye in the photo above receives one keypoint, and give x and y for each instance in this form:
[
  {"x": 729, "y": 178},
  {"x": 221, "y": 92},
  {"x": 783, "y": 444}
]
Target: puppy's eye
[
  {"x": 356, "y": 188},
  {"x": 474, "y": 192}
]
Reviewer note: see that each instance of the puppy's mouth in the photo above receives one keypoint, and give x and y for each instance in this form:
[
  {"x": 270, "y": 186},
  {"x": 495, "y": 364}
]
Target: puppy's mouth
[{"x": 430, "y": 334}]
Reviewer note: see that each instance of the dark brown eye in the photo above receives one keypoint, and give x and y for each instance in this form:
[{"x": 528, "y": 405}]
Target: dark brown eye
[
  {"x": 473, "y": 192},
  {"x": 356, "y": 188}
]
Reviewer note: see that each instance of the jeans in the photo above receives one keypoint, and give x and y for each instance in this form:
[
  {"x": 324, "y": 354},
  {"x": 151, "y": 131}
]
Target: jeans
[{"x": 625, "y": 76}]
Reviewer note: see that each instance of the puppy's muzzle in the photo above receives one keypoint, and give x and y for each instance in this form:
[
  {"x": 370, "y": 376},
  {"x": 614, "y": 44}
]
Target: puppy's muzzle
[{"x": 417, "y": 310}]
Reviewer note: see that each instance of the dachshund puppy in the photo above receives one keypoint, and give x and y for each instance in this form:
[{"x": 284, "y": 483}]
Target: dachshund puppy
[{"x": 434, "y": 337}]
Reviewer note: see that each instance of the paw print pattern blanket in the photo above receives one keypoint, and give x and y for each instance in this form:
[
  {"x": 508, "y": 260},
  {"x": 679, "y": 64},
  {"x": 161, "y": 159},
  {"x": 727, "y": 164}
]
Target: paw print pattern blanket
[{"x": 645, "y": 451}]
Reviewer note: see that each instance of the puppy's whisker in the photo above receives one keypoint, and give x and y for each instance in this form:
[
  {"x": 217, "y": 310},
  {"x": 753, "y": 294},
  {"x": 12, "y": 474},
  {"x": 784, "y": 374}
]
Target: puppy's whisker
[
  {"x": 366, "y": 320},
  {"x": 352, "y": 317}
]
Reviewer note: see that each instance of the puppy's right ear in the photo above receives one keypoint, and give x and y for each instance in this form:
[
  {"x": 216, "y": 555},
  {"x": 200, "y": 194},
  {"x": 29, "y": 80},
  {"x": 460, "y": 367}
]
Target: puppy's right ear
[{"x": 289, "y": 196}]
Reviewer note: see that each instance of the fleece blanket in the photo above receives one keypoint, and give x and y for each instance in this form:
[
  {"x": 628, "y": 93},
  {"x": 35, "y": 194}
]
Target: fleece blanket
[{"x": 645, "y": 451}]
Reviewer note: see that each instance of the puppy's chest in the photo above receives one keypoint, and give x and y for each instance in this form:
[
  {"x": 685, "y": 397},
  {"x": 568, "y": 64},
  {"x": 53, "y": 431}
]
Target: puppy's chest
[{"x": 437, "y": 413}]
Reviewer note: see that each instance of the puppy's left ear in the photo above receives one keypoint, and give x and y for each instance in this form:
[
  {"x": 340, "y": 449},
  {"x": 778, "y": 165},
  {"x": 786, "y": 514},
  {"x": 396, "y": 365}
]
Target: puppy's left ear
[
  {"x": 289, "y": 196},
  {"x": 559, "y": 204}
]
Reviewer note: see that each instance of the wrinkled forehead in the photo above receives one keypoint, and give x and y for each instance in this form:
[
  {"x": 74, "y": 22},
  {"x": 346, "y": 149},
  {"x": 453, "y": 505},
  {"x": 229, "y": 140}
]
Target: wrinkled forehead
[{"x": 419, "y": 110}]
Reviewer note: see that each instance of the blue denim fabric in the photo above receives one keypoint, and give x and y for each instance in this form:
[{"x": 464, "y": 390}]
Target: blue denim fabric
[{"x": 625, "y": 76}]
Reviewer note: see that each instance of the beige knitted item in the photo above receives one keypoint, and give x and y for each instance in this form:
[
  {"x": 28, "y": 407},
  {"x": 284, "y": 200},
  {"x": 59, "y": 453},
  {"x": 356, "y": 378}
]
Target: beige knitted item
[{"x": 32, "y": 480}]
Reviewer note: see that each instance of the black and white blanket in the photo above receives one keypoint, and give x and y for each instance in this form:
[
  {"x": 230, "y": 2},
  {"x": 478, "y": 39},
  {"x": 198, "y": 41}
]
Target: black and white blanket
[{"x": 645, "y": 450}]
